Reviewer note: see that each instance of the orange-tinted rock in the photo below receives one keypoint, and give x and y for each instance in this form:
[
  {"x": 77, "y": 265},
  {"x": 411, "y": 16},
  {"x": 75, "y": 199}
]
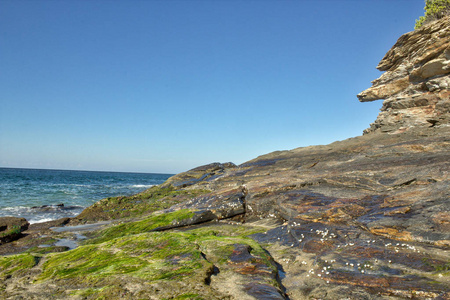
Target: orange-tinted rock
[
  {"x": 399, "y": 210},
  {"x": 393, "y": 233}
]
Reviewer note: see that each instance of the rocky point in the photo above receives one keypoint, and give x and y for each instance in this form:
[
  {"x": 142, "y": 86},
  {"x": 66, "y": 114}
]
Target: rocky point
[{"x": 363, "y": 218}]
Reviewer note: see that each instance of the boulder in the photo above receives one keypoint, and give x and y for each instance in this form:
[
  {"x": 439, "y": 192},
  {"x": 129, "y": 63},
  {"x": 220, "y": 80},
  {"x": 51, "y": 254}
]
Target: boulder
[{"x": 11, "y": 228}]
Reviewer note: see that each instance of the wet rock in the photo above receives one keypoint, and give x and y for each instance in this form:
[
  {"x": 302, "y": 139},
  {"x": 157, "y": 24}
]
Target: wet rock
[
  {"x": 11, "y": 228},
  {"x": 49, "y": 224},
  {"x": 263, "y": 291},
  {"x": 225, "y": 204},
  {"x": 154, "y": 199}
]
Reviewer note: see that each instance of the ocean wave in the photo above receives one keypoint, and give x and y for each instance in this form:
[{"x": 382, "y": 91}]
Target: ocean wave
[
  {"x": 142, "y": 185},
  {"x": 40, "y": 220},
  {"x": 44, "y": 213},
  {"x": 14, "y": 208},
  {"x": 34, "y": 194}
]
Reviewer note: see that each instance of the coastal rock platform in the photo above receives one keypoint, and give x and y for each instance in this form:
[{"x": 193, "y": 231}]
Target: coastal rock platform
[{"x": 363, "y": 218}]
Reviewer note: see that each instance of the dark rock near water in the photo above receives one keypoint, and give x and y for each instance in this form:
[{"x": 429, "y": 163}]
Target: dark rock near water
[
  {"x": 48, "y": 206},
  {"x": 46, "y": 225},
  {"x": 11, "y": 228}
]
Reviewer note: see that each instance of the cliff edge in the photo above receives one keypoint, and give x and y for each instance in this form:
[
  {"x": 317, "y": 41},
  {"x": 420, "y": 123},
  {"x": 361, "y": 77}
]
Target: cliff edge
[{"x": 416, "y": 83}]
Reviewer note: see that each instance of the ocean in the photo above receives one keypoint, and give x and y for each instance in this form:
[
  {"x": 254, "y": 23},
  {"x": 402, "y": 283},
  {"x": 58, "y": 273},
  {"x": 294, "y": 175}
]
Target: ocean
[{"x": 45, "y": 195}]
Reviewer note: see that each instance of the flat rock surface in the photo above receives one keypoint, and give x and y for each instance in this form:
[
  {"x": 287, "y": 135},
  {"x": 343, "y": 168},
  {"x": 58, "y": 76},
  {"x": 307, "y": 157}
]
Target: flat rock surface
[{"x": 367, "y": 217}]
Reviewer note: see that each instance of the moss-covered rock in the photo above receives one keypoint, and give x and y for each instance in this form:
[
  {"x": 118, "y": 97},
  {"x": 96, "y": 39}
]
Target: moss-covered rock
[
  {"x": 16, "y": 263},
  {"x": 181, "y": 262},
  {"x": 150, "y": 256},
  {"x": 152, "y": 223},
  {"x": 151, "y": 200},
  {"x": 132, "y": 260},
  {"x": 11, "y": 228}
]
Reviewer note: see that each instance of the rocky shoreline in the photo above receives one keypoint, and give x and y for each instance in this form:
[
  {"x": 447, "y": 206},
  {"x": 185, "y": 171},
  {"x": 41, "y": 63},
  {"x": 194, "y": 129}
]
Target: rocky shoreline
[{"x": 363, "y": 218}]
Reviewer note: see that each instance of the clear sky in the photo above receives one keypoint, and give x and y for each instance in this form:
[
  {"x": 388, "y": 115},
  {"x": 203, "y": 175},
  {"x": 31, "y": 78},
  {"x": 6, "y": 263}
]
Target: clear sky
[{"x": 165, "y": 86}]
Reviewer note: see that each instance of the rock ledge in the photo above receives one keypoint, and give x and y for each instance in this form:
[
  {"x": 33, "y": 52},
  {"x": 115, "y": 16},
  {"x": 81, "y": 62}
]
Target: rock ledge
[{"x": 416, "y": 83}]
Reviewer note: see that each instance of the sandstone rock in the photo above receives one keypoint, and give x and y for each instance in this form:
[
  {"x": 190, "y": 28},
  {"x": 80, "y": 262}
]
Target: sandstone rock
[
  {"x": 384, "y": 91},
  {"x": 434, "y": 67},
  {"x": 416, "y": 82}
]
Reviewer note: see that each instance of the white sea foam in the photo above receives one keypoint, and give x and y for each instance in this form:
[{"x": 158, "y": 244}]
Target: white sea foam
[
  {"x": 41, "y": 214},
  {"x": 40, "y": 220},
  {"x": 35, "y": 194},
  {"x": 15, "y": 208},
  {"x": 142, "y": 185}
]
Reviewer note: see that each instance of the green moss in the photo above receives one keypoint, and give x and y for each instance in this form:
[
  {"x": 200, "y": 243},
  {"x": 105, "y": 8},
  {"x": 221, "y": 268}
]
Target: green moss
[
  {"x": 129, "y": 253},
  {"x": 151, "y": 256},
  {"x": 440, "y": 267},
  {"x": 14, "y": 263},
  {"x": 44, "y": 250},
  {"x": 88, "y": 260},
  {"x": 219, "y": 243},
  {"x": 154, "y": 199},
  {"x": 145, "y": 225},
  {"x": 14, "y": 231}
]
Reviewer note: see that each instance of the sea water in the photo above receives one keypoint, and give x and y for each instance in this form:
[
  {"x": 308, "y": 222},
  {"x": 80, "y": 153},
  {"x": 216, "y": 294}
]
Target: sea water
[{"x": 44, "y": 195}]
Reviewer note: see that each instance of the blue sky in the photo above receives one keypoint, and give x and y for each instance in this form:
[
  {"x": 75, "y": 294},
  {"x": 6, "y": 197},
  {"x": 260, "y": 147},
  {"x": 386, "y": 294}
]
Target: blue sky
[{"x": 165, "y": 86}]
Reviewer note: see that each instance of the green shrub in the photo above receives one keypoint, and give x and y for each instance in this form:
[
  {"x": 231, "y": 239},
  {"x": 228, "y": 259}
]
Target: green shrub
[{"x": 434, "y": 10}]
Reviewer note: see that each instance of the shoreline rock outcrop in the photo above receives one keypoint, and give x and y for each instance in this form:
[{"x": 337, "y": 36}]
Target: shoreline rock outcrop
[
  {"x": 363, "y": 218},
  {"x": 416, "y": 83},
  {"x": 11, "y": 228}
]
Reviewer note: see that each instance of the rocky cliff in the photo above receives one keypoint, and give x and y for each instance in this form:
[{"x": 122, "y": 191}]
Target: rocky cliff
[
  {"x": 363, "y": 218},
  {"x": 416, "y": 83}
]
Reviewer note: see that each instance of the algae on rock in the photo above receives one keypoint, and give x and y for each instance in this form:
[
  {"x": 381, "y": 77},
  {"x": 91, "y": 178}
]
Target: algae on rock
[{"x": 153, "y": 199}]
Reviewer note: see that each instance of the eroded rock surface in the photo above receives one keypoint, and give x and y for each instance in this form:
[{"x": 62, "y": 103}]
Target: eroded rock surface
[
  {"x": 416, "y": 82},
  {"x": 363, "y": 218}
]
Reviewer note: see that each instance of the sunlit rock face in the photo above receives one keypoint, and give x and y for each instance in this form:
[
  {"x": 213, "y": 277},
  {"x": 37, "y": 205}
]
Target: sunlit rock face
[
  {"x": 416, "y": 83},
  {"x": 363, "y": 218}
]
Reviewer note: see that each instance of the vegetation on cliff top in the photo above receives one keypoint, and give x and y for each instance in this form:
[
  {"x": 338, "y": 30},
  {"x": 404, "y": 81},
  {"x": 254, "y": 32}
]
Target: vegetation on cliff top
[{"x": 434, "y": 10}]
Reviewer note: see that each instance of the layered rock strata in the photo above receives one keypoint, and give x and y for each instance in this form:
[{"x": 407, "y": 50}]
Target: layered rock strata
[
  {"x": 363, "y": 218},
  {"x": 416, "y": 83}
]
